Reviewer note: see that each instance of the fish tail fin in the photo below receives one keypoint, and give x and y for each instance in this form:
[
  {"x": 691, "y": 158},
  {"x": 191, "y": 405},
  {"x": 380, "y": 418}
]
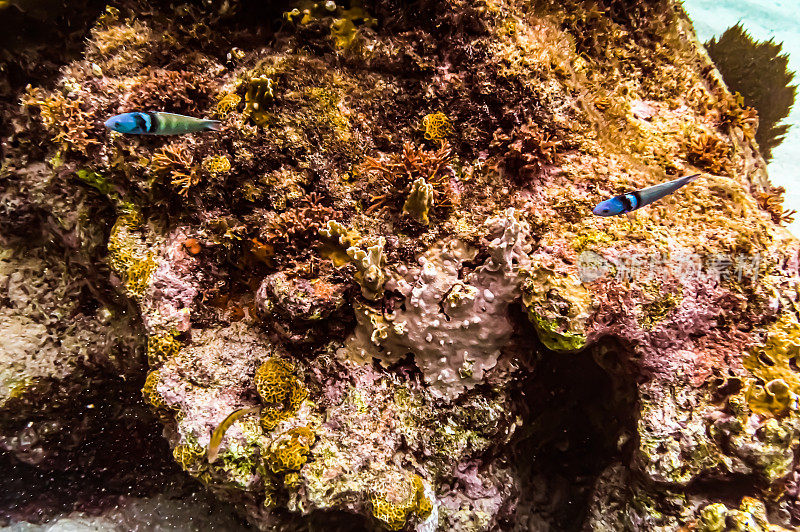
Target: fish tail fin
[{"x": 213, "y": 125}]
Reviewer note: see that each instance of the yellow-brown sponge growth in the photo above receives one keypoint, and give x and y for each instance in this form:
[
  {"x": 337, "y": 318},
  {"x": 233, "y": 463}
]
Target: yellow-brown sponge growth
[
  {"x": 161, "y": 348},
  {"x": 216, "y": 164},
  {"x": 150, "y": 392},
  {"x": 437, "y": 126},
  {"x": 398, "y": 495},
  {"x": 257, "y": 98},
  {"x": 290, "y": 450},
  {"x": 228, "y": 104},
  {"x": 280, "y": 390},
  {"x": 129, "y": 256},
  {"x": 190, "y": 457},
  {"x": 154, "y": 398}
]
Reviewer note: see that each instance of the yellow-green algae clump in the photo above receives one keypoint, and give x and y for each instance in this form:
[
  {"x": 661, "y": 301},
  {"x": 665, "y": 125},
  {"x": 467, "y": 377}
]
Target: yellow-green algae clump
[
  {"x": 217, "y": 164},
  {"x": 161, "y": 347},
  {"x": 129, "y": 254},
  {"x": 347, "y": 246},
  {"x": 420, "y": 201},
  {"x": 290, "y": 450},
  {"x": 227, "y": 104},
  {"x": 772, "y": 363},
  {"x": 437, "y": 126},
  {"x": 397, "y": 496},
  {"x": 155, "y": 399},
  {"x": 751, "y": 516},
  {"x": 257, "y": 98},
  {"x": 280, "y": 390}
]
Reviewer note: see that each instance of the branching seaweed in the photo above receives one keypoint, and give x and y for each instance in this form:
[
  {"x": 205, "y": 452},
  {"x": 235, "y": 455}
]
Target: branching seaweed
[{"x": 397, "y": 173}]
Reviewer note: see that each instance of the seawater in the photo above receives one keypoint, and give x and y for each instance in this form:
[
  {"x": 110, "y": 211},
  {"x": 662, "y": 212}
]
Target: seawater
[{"x": 763, "y": 20}]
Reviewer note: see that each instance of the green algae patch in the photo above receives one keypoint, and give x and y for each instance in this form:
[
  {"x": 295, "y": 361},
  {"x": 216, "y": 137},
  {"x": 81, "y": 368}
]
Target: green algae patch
[
  {"x": 554, "y": 338},
  {"x": 751, "y": 515},
  {"x": 131, "y": 253}
]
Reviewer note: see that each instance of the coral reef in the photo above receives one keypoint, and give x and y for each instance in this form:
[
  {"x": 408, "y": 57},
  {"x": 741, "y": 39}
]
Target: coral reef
[{"x": 377, "y": 298}]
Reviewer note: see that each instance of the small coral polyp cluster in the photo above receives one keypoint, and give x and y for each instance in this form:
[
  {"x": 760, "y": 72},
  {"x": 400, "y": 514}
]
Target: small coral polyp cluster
[{"x": 378, "y": 294}]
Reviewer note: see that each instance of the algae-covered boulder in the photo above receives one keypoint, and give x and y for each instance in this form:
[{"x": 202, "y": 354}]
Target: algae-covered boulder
[
  {"x": 377, "y": 297},
  {"x": 558, "y": 306}
]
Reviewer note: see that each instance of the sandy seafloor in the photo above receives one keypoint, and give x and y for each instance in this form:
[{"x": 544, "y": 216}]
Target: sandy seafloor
[{"x": 763, "y": 19}]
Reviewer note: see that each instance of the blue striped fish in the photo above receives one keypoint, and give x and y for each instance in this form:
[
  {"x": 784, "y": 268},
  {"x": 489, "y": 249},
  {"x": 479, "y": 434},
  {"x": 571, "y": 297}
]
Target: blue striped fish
[
  {"x": 625, "y": 203},
  {"x": 157, "y": 123}
]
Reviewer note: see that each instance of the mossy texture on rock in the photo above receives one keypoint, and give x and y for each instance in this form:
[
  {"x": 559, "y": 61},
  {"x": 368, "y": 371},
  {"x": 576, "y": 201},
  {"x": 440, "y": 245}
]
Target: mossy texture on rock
[
  {"x": 751, "y": 515},
  {"x": 774, "y": 365},
  {"x": 558, "y": 305}
]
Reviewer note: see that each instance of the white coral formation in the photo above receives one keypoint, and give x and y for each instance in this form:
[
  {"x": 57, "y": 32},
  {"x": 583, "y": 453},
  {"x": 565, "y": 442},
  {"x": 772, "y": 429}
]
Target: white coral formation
[
  {"x": 369, "y": 261},
  {"x": 455, "y": 324}
]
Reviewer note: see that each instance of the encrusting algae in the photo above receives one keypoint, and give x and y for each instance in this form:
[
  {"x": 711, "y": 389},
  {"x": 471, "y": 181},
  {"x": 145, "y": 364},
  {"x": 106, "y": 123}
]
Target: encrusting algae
[
  {"x": 289, "y": 451},
  {"x": 774, "y": 365}
]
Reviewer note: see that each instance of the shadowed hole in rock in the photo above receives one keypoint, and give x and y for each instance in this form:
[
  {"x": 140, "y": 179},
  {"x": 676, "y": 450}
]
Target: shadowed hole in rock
[
  {"x": 579, "y": 419},
  {"x": 729, "y": 491},
  {"x": 331, "y": 521}
]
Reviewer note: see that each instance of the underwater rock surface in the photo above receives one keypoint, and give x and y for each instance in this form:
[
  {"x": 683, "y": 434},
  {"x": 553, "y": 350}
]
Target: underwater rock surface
[{"x": 377, "y": 298}]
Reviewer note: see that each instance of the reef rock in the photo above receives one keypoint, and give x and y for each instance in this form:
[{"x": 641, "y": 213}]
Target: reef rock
[{"x": 378, "y": 298}]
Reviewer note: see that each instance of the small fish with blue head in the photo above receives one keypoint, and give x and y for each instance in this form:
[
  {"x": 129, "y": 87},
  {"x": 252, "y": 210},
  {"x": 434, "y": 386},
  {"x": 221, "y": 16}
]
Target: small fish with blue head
[
  {"x": 626, "y": 203},
  {"x": 158, "y": 123}
]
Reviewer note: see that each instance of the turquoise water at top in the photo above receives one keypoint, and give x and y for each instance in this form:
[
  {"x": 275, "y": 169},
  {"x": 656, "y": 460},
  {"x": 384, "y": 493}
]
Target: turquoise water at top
[{"x": 763, "y": 19}]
